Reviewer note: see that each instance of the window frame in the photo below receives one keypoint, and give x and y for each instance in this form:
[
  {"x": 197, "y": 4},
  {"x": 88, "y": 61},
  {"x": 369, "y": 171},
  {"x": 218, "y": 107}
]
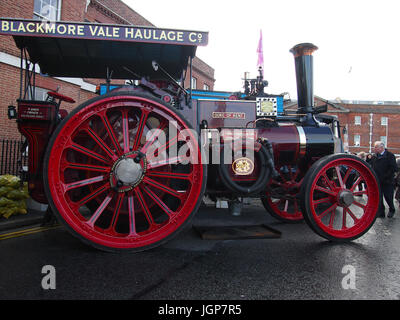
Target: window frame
[
  {"x": 355, "y": 142},
  {"x": 193, "y": 83},
  {"x": 39, "y": 93},
  {"x": 38, "y": 15}
]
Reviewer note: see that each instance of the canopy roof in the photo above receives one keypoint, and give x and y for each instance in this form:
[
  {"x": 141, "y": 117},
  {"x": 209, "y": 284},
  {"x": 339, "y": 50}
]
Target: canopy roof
[{"x": 86, "y": 50}]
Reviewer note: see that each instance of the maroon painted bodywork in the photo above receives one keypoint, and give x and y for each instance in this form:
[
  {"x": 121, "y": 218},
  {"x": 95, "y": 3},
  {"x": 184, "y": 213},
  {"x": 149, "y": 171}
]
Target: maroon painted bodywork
[
  {"x": 241, "y": 114},
  {"x": 36, "y": 121},
  {"x": 227, "y": 113}
]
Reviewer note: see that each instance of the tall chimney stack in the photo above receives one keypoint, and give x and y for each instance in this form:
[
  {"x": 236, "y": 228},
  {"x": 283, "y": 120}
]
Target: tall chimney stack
[{"x": 303, "y": 60}]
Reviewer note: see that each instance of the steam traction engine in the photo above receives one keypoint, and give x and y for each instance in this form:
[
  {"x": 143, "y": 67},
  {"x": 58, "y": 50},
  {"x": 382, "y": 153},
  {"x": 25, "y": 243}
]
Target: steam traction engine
[{"x": 128, "y": 169}]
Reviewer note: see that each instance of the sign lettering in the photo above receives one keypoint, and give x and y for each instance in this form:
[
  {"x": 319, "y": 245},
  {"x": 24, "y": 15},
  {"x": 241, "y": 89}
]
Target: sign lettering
[{"x": 101, "y": 32}]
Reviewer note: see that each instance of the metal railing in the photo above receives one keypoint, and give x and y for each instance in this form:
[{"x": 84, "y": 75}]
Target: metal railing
[{"x": 13, "y": 156}]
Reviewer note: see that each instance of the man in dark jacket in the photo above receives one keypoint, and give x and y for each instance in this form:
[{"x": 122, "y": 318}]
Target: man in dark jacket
[{"x": 384, "y": 164}]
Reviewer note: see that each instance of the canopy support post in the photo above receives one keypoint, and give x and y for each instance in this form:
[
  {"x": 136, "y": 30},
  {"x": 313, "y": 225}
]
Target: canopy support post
[
  {"x": 27, "y": 80},
  {"x": 108, "y": 79}
]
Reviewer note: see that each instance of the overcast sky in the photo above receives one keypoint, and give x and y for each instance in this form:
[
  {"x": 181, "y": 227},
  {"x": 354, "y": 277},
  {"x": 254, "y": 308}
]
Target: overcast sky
[{"x": 359, "y": 43}]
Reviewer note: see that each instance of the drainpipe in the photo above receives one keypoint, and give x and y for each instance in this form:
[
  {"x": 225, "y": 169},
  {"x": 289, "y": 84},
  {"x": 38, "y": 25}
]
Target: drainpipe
[
  {"x": 370, "y": 132},
  {"x": 387, "y": 132}
]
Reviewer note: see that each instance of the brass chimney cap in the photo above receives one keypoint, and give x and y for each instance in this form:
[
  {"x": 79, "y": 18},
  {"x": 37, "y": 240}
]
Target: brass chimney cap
[{"x": 303, "y": 49}]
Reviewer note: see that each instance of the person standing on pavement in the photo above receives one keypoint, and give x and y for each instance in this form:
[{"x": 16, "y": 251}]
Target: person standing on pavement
[
  {"x": 397, "y": 182},
  {"x": 362, "y": 155},
  {"x": 384, "y": 164},
  {"x": 368, "y": 158}
]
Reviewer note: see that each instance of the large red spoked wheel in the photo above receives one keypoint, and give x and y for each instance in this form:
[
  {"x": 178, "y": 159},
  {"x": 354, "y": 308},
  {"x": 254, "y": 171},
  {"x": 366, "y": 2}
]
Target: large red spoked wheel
[
  {"x": 124, "y": 172},
  {"x": 282, "y": 195},
  {"x": 340, "y": 197}
]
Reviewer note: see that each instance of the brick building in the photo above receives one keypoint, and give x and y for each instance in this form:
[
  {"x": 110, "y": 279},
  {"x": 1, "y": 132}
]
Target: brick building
[
  {"x": 365, "y": 122},
  {"x": 100, "y": 11}
]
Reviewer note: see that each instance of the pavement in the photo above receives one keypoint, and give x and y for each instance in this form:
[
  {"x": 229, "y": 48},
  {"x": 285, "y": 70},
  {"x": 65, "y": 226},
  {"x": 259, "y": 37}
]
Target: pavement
[
  {"x": 300, "y": 265},
  {"x": 33, "y": 217},
  {"x": 36, "y": 217}
]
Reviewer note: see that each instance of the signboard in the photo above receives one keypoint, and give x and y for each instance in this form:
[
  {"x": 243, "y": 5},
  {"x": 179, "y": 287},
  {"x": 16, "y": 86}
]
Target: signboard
[
  {"x": 229, "y": 115},
  {"x": 30, "y": 111},
  {"x": 96, "y": 31}
]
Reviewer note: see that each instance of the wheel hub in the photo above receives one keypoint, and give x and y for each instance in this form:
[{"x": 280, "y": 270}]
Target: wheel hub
[
  {"x": 128, "y": 171},
  {"x": 345, "y": 198}
]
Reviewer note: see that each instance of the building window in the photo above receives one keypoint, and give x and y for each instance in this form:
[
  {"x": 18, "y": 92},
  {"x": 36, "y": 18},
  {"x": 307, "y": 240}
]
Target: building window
[
  {"x": 194, "y": 83},
  {"x": 384, "y": 121},
  {"x": 47, "y": 9},
  {"x": 40, "y": 94},
  {"x": 357, "y": 139},
  {"x": 206, "y": 87},
  {"x": 357, "y": 120},
  {"x": 384, "y": 140}
]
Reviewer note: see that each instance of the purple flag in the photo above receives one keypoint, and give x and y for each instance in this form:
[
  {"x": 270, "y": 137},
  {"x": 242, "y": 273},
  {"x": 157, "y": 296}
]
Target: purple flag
[{"x": 260, "y": 61}]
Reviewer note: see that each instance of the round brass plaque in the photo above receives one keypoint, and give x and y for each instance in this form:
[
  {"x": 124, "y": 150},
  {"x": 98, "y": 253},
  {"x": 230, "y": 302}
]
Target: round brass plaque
[{"x": 243, "y": 166}]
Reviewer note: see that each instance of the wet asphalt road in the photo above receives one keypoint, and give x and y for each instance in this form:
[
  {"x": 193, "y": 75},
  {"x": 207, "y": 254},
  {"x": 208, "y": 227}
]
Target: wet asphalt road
[{"x": 299, "y": 265}]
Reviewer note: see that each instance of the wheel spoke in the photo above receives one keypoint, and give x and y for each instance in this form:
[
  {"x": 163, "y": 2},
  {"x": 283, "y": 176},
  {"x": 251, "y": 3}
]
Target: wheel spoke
[
  {"x": 132, "y": 222},
  {"x": 162, "y": 187},
  {"x": 344, "y": 218},
  {"x": 332, "y": 218},
  {"x": 88, "y": 152},
  {"x": 358, "y": 204},
  {"x": 145, "y": 208},
  {"x": 81, "y": 183},
  {"x": 360, "y": 193},
  {"x": 125, "y": 130},
  {"x": 100, "y": 142},
  {"x": 95, "y": 193},
  {"x": 117, "y": 211},
  {"x": 99, "y": 210},
  {"x": 158, "y": 201},
  {"x": 286, "y": 205},
  {"x": 346, "y": 176},
  {"x": 351, "y": 214},
  {"x": 331, "y": 208},
  {"x": 171, "y": 175},
  {"x": 319, "y": 188},
  {"x": 356, "y": 184},
  {"x": 111, "y": 133},
  {"x": 140, "y": 128},
  {"x": 339, "y": 175},
  {"x": 323, "y": 200},
  {"x": 330, "y": 183},
  {"x": 87, "y": 167}
]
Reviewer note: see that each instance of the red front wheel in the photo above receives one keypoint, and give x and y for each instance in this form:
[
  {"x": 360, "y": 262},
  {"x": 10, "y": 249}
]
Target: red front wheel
[
  {"x": 116, "y": 175},
  {"x": 340, "y": 197}
]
